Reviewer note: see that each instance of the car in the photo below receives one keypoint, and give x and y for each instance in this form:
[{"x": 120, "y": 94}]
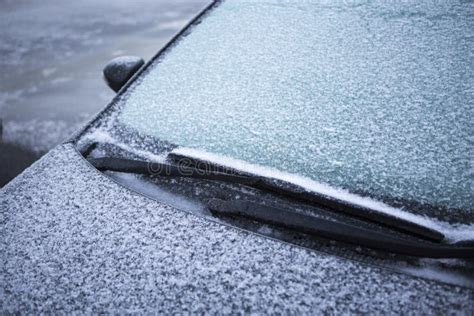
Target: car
[{"x": 274, "y": 157}]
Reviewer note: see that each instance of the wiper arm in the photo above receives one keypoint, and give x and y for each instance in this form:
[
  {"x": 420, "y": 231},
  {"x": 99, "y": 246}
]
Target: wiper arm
[
  {"x": 165, "y": 170},
  {"x": 336, "y": 230},
  {"x": 316, "y": 199},
  {"x": 294, "y": 192}
]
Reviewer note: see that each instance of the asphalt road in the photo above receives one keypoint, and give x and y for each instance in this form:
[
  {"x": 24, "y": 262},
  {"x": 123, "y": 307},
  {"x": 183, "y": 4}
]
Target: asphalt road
[{"x": 52, "y": 54}]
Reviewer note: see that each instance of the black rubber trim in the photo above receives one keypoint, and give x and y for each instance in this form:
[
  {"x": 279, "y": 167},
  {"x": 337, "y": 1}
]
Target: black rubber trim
[
  {"x": 317, "y": 199},
  {"x": 164, "y": 170},
  {"x": 181, "y": 170},
  {"x": 337, "y": 231}
]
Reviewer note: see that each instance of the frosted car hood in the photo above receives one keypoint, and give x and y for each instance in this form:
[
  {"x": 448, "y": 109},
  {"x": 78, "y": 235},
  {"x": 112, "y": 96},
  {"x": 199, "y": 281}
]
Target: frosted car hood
[{"x": 74, "y": 240}]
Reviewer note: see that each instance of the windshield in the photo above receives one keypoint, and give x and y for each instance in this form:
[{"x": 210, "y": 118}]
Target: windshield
[{"x": 373, "y": 98}]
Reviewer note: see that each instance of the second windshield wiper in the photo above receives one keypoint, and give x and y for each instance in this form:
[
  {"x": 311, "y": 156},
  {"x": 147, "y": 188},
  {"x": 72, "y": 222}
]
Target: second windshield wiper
[
  {"x": 336, "y": 230},
  {"x": 269, "y": 185}
]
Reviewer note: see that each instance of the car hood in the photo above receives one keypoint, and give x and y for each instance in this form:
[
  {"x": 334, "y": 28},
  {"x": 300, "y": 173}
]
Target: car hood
[{"x": 74, "y": 240}]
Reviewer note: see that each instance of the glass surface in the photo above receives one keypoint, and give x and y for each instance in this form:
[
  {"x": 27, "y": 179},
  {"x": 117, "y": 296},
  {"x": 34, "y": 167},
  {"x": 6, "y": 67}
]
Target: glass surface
[{"x": 376, "y": 98}]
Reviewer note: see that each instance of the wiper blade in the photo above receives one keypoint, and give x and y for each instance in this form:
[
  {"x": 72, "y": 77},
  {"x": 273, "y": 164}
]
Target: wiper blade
[
  {"x": 336, "y": 230},
  {"x": 320, "y": 200},
  {"x": 164, "y": 170},
  {"x": 268, "y": 185}
]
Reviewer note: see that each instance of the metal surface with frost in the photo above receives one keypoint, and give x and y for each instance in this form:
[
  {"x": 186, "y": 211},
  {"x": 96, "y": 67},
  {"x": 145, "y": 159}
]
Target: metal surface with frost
[
  {"x": 194, "y": 94},
  {"x": 74, "y": 240}
]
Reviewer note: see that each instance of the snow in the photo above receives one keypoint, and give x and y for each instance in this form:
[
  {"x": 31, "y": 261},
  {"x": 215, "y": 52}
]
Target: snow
[
  {"x": 372, "y": 97},
  {"x": 73, "y": 240},
  {"x": 101, "y": 136},
  {"x": 125, "y": 60},
  {"x": 452, "y": 232}
]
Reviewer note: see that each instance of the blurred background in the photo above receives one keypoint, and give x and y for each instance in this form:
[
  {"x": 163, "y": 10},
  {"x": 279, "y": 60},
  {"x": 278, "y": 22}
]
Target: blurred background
[{"x": 52, "y": 54}]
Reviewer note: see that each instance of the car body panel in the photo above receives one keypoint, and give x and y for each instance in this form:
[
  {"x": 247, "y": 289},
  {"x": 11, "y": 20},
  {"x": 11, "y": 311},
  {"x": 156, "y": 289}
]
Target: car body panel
[{"x": 74, "y": 240}]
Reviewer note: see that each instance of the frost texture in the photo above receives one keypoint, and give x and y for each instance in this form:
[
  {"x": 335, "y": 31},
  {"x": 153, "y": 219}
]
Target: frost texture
[
  {"x": 452, "y": 232},
  {"x": 375, "y": 98},
  {"x": 72, "y": 240}
]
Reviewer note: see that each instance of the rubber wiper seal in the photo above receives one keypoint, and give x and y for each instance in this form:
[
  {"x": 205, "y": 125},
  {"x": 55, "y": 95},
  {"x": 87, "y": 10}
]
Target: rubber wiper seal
[
  {"x": 334, "y": 230},
  {"x": 279, "y": 187},
  {"x": 298, "y": 193}
]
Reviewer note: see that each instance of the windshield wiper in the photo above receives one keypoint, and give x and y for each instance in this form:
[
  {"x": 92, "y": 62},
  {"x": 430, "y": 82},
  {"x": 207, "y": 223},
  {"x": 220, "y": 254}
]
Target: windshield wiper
[
  {"x": 268, "y": 185},
  {"x": 336, "y": 230},
  {"x": 164, "y": 170}
]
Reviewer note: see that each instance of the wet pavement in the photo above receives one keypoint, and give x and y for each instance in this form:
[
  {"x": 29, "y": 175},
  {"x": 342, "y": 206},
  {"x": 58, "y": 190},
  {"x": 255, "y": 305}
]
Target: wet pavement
[{"x": 52, "y": 55}]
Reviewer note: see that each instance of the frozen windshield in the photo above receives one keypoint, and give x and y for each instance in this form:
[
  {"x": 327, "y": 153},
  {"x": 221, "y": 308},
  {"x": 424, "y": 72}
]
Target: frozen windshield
[{"x": 375, "y": 98}]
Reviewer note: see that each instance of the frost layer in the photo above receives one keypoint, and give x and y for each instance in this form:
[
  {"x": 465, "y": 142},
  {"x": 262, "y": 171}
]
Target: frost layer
[
  {"x": 375, "y": 98},
  {"x": 73, "y": 240}
]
